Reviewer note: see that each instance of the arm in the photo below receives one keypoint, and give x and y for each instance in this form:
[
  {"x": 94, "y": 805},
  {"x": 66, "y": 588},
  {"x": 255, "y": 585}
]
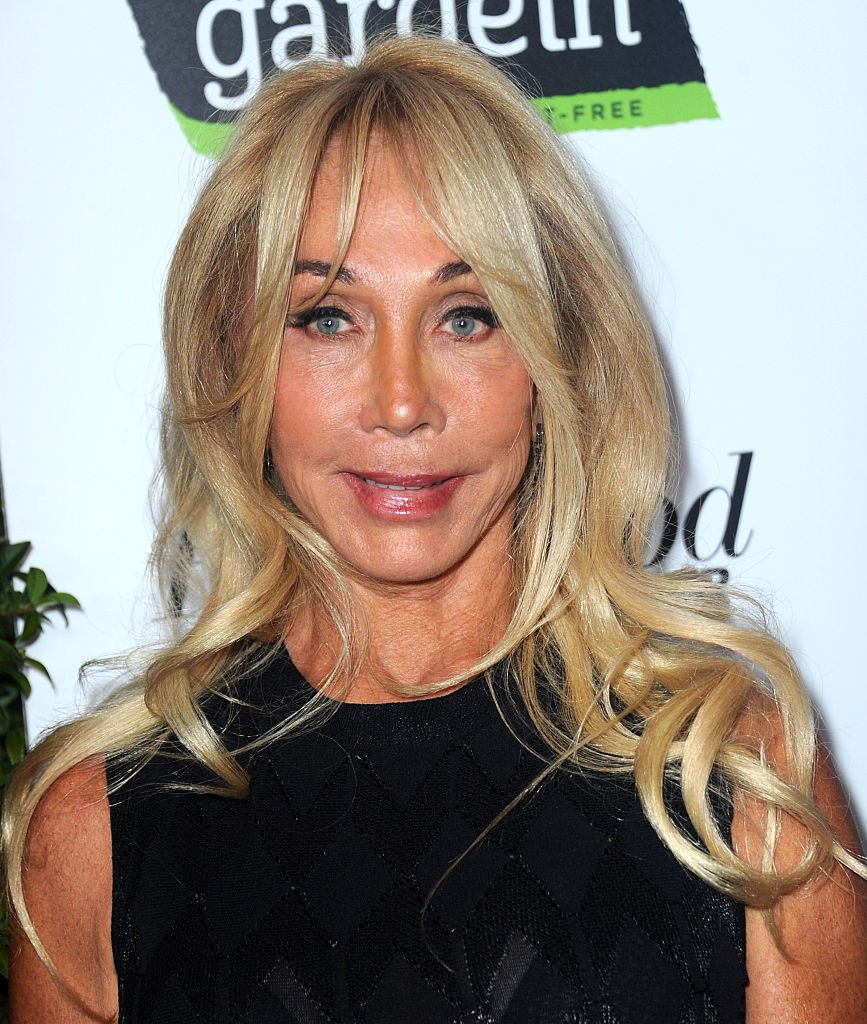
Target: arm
[
  {"x": 67, "y": 886},
  {"x": 822, "y": 974}
]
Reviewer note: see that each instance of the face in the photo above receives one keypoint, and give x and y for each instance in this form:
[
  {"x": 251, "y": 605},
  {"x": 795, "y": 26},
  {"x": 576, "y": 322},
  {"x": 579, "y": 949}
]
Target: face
[{"x": 401, "y": 425}]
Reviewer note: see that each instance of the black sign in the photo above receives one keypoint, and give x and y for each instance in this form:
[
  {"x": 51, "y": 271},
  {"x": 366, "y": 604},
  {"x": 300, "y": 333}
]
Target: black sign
[{"x": 590, "y": 63}]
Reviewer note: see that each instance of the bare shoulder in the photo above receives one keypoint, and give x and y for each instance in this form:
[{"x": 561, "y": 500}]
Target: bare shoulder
[
  {"x": 67, "y": 886},
  {"x": 819, "y": 970}
]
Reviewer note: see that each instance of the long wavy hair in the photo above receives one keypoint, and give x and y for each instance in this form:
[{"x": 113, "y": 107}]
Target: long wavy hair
[{"x": 620, "y": 668}]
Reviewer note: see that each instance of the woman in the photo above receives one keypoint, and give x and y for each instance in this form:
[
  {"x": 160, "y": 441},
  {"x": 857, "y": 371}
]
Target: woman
[{"x": 435, "y": 745}]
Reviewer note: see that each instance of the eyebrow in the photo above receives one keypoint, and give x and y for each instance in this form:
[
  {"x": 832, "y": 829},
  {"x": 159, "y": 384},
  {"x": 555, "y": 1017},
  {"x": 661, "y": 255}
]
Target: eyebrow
[
  {"x": 449, "y": 271},
  {"x": 321, "y": 268}
]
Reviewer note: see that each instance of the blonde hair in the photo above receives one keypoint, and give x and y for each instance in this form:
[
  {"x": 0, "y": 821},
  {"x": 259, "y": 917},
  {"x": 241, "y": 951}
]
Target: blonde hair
[{"x": 646, "y": 672}]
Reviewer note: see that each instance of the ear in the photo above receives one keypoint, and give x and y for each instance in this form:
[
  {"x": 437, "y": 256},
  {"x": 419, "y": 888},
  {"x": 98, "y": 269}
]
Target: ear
[{"x": 535, "y": 411}]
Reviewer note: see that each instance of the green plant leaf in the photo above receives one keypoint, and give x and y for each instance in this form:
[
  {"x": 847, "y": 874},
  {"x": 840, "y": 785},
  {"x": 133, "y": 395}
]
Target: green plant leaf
[
  {"x": 58, "y": 598},
  {"x": 33, "y": 663},
  {"x": 10, "y": 603},
  {"x": 36, "y": 585},
  {"x": 11, "y": 556},
  {"x": 9, "y": 654},
  {"x": 9, "y": 693},
  {"x": 31, "y": 629},
  {"x": 14, "y": 744},
  {"x": 19, "y": 677}
]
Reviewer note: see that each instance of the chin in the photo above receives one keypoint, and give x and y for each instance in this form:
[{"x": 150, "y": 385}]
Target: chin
[
  {"x": 398, "y": 573},
  {"x": 397, "y": 567}
]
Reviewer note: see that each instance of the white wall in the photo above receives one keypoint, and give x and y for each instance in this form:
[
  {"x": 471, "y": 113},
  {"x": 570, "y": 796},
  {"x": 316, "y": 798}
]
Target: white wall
[{"x": 747, "y": 237}]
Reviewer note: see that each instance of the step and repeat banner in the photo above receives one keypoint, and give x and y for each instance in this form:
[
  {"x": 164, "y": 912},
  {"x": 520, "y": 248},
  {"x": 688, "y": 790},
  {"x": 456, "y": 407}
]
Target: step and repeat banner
[{"x": 726, "y": 143}]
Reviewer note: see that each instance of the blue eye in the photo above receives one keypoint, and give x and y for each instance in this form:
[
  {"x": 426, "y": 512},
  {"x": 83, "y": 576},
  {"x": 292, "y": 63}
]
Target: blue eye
[
  {"x": 327, "y": 320},
  {"x": 463, "y": 325},
  {"x": 328, "y": 324},
  {"x": 469, "y": 321}
]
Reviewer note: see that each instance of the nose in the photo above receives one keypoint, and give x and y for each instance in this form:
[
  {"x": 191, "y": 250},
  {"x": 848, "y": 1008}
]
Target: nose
[{"x": 403, "y": 385}]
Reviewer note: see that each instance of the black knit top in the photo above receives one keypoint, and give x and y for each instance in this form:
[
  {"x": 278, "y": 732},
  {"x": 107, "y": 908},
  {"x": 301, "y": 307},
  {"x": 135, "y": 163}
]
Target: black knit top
[{"x": 303, "y": 904}]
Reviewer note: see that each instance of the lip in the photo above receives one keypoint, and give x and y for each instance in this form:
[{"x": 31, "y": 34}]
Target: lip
[{"x": 402, "y": 496}]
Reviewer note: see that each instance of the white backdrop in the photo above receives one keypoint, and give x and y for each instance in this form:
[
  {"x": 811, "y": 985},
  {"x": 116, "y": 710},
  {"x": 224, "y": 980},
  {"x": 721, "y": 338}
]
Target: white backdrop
[{"x": 746, "y": 234}]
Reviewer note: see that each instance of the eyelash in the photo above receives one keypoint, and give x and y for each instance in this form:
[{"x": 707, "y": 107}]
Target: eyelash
[
  {"x": 482, "y": 313},
  {"x": 316, "y": 313}
]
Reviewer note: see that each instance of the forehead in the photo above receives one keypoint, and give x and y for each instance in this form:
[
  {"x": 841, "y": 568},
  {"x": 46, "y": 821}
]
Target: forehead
[
  {"x": 336, "y": 168},
  {"x": 388, "y": 213}
]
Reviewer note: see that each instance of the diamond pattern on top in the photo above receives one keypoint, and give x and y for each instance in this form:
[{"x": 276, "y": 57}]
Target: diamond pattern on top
[
  {"x": 347, "y": 884},
  {"x": 247, "y": 886},
  {"x": 561, "y": 849},
  {"x": 459, "y": 894},
  {"x": 282, "y": 993},
  {"x": 396, "y": 997},
  {"x": 303, "y": 904}
]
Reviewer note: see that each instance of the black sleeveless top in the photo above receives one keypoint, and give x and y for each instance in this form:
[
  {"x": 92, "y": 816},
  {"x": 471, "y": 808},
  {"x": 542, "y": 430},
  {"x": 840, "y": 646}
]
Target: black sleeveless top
[{"x": 303, "y": 904}]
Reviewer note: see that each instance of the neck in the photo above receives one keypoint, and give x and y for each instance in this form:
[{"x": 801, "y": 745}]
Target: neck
[{"x": 415, "y": 634}]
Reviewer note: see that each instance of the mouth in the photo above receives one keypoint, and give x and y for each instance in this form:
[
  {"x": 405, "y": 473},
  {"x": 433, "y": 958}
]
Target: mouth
[
  {"x": 397, "y": 482},
  {"x": 402, "y": 497}
]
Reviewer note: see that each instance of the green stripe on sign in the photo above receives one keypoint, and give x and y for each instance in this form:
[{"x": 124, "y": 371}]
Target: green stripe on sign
[
  {"x": 615, "y": 108},
  {"x": 628, "y": 108},
  {"x": 209, "y": 138}
]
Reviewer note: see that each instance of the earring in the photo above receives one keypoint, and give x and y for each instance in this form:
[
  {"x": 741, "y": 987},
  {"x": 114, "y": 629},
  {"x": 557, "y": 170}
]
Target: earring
[
  {"x": 539, "y": 442},
  {"x": 268, "y": 471}
]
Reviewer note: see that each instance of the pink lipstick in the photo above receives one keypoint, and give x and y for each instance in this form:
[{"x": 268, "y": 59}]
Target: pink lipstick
[{"x": 402, "y": 497}]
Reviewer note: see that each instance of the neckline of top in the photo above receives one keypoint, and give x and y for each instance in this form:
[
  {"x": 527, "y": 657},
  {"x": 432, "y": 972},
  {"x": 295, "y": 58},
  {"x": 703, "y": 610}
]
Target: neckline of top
[{"x": 281, "y": 689}]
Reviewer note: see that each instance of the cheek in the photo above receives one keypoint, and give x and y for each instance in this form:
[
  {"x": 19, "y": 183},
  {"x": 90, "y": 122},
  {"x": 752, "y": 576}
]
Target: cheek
[
  {"x": 504, "y": 412},
  {"x": 301, "y": 434},
  {"x": 309, "y": 411},
  {"x": 290, "y": 420}
]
